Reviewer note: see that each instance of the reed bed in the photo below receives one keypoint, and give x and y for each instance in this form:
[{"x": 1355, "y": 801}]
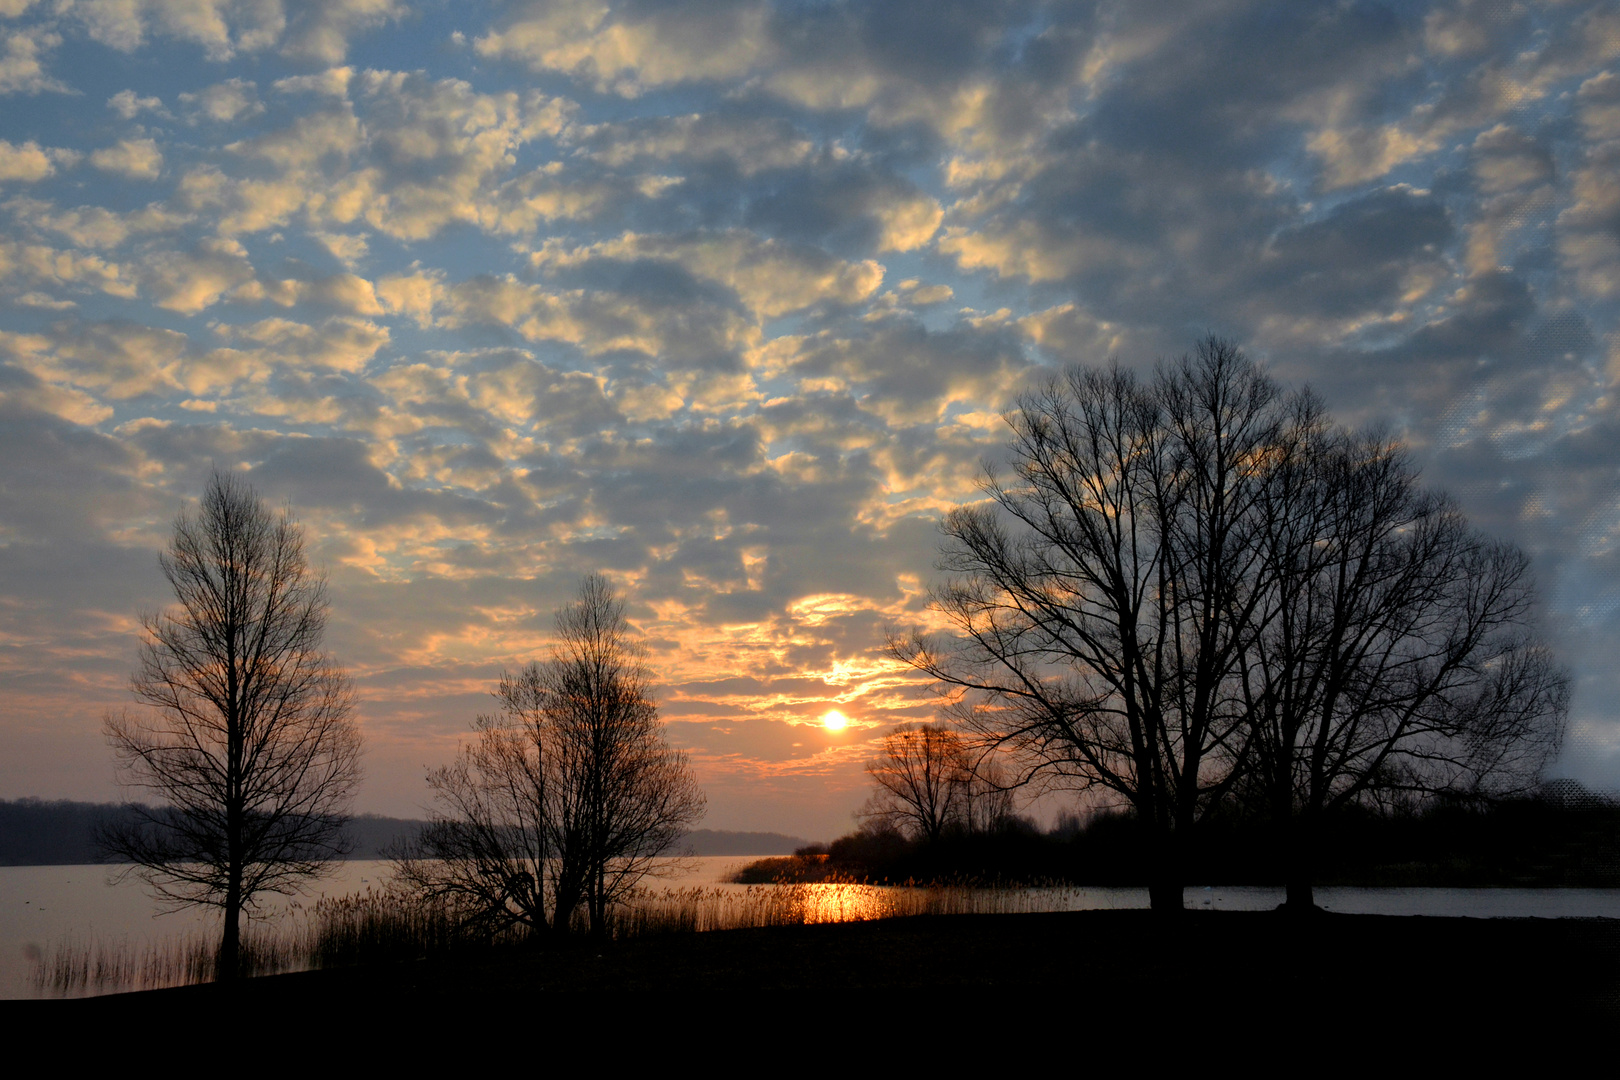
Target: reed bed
[
  {"x": 381, "y": 926},
  {"x": 74, "y": 967},
  {"x": 384, "y": 926},
  {"x": 705, "y": 908}
]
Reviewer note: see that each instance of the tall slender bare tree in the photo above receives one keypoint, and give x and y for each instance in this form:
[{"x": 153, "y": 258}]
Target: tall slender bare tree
[
  {"x": 624, "y": 795},
  {"x": 246, "y": 737}
]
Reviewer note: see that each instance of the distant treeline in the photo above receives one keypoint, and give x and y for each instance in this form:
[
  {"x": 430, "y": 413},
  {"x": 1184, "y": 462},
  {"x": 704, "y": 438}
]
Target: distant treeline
[
  {"x": 720, "y": 842},
  {"x": 35, "y": 832},
  {"x": 1566, "y": 836}
]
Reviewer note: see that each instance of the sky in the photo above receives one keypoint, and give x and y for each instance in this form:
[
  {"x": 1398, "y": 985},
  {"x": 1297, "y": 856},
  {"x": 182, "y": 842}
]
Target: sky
[{"x": 727, "y": 300}]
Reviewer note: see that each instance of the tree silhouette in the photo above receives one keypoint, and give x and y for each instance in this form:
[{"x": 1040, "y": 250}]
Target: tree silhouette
[
  {"x": 926, "y": 783},
  {"x": 247, "y": 738},
  {"x": 919, "y": 778},
  {"x": 1195, "y": 583},
  {"x": 570, "y": 795},
  {"x": 1396, "y": 654},
  {"x": 1102, "y": 601}
]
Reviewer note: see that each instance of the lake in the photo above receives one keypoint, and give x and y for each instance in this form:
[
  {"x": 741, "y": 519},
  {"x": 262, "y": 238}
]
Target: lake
[{"x": 44, "y": 907}]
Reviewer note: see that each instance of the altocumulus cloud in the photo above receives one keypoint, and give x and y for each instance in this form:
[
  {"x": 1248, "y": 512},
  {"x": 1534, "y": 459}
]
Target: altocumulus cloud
[{"x": 725, "y": 298}]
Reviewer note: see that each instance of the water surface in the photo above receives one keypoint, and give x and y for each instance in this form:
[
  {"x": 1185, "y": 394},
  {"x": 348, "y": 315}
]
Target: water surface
[{"x": 43, "y": 907}]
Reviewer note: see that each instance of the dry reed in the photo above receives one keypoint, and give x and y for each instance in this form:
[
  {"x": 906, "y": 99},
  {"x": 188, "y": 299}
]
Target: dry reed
[
  {"x": 74, "y": 967},
  {"x": 383, "y": 926}
]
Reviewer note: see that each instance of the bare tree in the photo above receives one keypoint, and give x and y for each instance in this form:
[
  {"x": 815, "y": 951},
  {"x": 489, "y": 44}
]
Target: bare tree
[
  {"x": 247, "y": 739},
  {"x": 1199, "y": 583},
  {"x": 624, "y": 793},
  {"x": 919, "y": 779},
  {"x": 571, "y": 794},
  {"x": 487, "y": 849},
  {"x": 1103, "y": 600},
  {"x": 1398, "y": 651},
  {"x": 927, "y": 783}
]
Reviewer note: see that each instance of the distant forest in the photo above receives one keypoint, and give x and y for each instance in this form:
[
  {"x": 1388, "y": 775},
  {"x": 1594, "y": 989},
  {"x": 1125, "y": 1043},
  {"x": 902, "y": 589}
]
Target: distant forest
[{"x": 35, "y": 832}]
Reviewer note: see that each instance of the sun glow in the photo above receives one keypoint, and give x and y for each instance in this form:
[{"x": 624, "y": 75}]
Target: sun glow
[{"x": 834, "y": 720}]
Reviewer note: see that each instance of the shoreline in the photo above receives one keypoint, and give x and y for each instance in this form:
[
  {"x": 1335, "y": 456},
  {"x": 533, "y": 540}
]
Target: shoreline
[{"x": 1350, "y": 964}]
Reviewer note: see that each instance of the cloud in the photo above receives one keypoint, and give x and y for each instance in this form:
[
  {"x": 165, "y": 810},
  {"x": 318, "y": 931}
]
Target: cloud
[
  {"x": 321, "y": 30},
  {"x": 22, "y": 68},
  {"x": 1589, "y": 228},
  {"x": 22, "y": 392},
  {"x": 500, "y": 394},
  {"x": 223, "y": 102},
  {"x": 748, "y": 143},
  {"x": 93, "y": 226},
  {"x": 666, "y": 318},
  {"x": 126, "y": 24},
  {"x": 626, "y": 55},
  {"x": 189, "y": 281},
  {"x": 908, "y": 374},
  {"x": 418, "y": 156},
  {"x": 111, "y": 360},
  {"x": 33, "y": 265},
  {"x": 137, "y": 159},
  {"x": 240, "y": 205},
  {"x": 436, "y": 147},
  {"x": 26, "y": 163},
  {"x": 333, "y": 82},
  {"x": 336, "y": 292},
  {"x": 843, "y": 202},
  {"x": 317, "y": 31},
  {"x": 347, "y": 248},
  {"x": 768, "y": 277},
  {"x": 128, "y": 104},
  {"x": 411, "y": 294},
  {"x": 337, "y": 344},
  {"x": 1493, "y": 70},
  {"x": 1589, "y": 225},
  {"x": 727, "y": 299},
  {"x": 1369, "y": 254}
]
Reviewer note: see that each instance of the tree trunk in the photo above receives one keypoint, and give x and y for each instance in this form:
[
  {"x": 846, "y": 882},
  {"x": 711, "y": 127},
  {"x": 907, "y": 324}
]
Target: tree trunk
[
  {"x": 1165, "y": 894},
  {"x": 1167, "y": 876},
  {"x": 230, "y": 948},
  {"x": 229, "y": 962},
  {"x": 567, "y": 901},
  {"x": 598, "y": 905},
  {"x": 1299, "y": 867},
  {"x": 1301, "y": 895}
]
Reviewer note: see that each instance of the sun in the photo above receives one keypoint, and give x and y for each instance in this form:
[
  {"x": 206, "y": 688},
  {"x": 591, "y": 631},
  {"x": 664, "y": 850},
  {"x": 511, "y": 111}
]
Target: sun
[{"x": 834, "y": 720}]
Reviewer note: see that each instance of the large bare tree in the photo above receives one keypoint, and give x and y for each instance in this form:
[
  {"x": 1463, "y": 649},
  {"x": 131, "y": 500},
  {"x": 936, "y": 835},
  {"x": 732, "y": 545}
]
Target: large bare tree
[
  {"x": 246, "y": 736},
  {"x": 568, "y": 797},
  {"x": 1397, "y": 654},
  {"x": 1103, "y": 598},
  {"x": 1196, "y": 583}
]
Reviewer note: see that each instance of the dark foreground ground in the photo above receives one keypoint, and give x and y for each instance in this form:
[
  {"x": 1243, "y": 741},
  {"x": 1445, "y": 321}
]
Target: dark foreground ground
[{"x": 1103, "y": 970}]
